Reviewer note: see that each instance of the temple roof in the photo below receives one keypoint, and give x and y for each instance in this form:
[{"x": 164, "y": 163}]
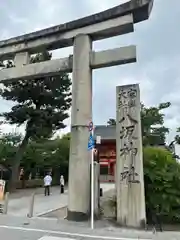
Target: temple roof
[{"x": 106, "y": 132}]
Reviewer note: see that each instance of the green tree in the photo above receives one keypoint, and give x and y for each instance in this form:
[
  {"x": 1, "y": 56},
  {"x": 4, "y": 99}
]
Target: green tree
[
  {"x": 162, "y": 182},
  {"x": 11, "y": 138},
  {"x": 41, "y": 104},
  {"x": 152, "y": 123},
  {"x": 162, "y": 185},
  {"x": 61, "y": 156},
  {"x": 177, "y": 137},
  {"x": 47, "y": 154},
  {"x": 8, "y": 147},
  {"x": 62, "y": 153}
]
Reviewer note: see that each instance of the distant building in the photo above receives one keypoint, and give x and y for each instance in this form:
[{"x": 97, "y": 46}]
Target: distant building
[{"x": 106, "y": 151}]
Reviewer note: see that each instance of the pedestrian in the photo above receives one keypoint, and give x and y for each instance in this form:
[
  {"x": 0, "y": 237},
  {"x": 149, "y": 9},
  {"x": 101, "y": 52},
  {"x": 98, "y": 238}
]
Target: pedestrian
[
  {"x": 47, "y": 184},
  {"x": 62, "y": 183}
]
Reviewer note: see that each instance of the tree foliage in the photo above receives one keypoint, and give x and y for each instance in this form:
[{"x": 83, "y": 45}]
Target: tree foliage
[
  {"x": 8, "y": 147},
  {"x": 162, "y": 182},
  {"x": 177, "y": 137},
  {"x": 49, "y": 153},
  {"x": 152, "y": 123},
  {"x": 41, "y": 104},
  {"x": 38, "y": 154}
]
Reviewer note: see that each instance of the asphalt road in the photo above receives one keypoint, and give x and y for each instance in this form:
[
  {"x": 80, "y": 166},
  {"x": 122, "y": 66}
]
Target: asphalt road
[
  {"x": 9, "y": 234},
  {"x": 18, "y": 228}
]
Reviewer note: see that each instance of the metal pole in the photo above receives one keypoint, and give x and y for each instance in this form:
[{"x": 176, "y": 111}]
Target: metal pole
[
  {"x": 92, "y": 186},
  {"x": 31, "y": 207},
  {"x": 6, "y": 200}
]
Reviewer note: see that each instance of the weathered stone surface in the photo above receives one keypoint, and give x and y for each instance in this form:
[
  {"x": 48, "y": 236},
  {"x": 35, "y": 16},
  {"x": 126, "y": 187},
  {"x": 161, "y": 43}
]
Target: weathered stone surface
[
  {"x": 129, "y": 169},
  {"x": 140, "y": 10},
  {"x": 35, "y": 70},
  {"x": 113, "y": 57},
  {"x": 100, "y": 59},
  {"x": 79, "y": 162},
  {"x": 22, "y": 59},
  {"x": 105, "y": 29},
  {"x": 129, "y": 7}
]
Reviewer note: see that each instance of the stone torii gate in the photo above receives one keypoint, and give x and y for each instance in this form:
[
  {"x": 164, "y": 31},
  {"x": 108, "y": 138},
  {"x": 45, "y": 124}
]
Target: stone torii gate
[{"x": 79, "y": 33}]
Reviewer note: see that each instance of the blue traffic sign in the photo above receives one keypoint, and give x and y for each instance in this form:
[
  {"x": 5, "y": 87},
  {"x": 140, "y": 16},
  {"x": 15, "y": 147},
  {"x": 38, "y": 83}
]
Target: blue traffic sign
[
  {"x": 91, "y": 143},
  {"x": 90, "y": 126}
]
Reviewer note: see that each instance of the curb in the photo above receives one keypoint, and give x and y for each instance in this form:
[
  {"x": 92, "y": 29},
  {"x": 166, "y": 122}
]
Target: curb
[{"x": 48, "y": 211}]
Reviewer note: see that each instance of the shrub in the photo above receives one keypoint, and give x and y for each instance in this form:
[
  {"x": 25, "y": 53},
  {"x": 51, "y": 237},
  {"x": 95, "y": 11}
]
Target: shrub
[{"x": 162, "y": 184}]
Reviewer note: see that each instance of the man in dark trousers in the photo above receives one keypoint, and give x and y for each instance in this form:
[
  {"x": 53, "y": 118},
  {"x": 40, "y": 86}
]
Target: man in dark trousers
[
  {"x": 47, "y": 184},
  {"x": 62, "y": 182}
]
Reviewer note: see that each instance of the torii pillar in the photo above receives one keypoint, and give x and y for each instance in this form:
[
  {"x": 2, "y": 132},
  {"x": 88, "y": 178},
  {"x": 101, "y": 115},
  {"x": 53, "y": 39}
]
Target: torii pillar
[{"x": 79, "y": 162}]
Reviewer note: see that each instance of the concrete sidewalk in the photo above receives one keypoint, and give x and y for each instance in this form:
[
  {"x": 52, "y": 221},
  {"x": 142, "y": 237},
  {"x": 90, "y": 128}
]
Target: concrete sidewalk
[{"x": 20, "y": 206}]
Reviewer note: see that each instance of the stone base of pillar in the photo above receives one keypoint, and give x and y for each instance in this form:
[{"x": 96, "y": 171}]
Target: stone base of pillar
[
  {"x": 80, "y": 216},
  {"x": 129, "y": 202},
  {"x": 77, "y": 216}
]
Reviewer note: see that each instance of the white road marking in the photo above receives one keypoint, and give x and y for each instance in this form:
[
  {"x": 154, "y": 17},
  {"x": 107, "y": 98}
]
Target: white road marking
[
  {"x": 70, "y": 234},
  {"x": 54, "y": 238}
]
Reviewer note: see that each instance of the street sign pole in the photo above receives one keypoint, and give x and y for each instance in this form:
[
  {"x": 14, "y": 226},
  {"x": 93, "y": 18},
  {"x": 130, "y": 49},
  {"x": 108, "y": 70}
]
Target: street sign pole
[
  {"x": 92, "y": 186},
  {"x": 91, "y": 147}
]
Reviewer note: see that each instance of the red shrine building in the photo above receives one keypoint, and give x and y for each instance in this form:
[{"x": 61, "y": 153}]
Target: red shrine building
[{"x": 106, "y": 151}]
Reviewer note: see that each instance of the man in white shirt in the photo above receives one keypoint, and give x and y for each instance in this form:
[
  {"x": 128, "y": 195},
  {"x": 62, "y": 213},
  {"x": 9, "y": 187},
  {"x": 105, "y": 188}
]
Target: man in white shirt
[{"x": 47, "y": 184}]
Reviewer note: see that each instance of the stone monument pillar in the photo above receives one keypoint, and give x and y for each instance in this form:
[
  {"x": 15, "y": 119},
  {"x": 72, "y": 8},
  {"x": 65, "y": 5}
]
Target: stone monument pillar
[
  {"x": 129, "y": 168},
  {"x": 79, "y": 162}
]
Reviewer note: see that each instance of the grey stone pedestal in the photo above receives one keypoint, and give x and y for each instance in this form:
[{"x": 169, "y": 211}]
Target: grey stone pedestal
[{"x": 129, "y": 168}]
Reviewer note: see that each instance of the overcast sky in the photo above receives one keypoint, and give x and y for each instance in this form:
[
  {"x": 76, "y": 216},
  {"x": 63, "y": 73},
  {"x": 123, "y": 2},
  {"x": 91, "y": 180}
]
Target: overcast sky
[{"x": 158, "y": 51}]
